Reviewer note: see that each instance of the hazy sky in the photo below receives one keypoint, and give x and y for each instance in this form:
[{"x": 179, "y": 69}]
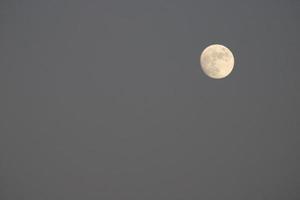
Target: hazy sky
[{"x": 106, "y": 100}]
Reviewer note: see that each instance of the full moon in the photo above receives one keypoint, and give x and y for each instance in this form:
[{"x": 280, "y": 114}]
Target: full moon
[{"x": 217, "y": 61}]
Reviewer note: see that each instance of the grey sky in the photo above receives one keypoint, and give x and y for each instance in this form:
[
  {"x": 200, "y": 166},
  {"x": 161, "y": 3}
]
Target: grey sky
[{"x": 106, "y": 100}]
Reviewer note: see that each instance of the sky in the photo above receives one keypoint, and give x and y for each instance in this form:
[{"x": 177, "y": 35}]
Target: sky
[{"x": 107, "y": 100}]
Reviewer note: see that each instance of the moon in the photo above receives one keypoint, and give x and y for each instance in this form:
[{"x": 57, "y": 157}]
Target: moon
[{"x": 217, "y": 61}]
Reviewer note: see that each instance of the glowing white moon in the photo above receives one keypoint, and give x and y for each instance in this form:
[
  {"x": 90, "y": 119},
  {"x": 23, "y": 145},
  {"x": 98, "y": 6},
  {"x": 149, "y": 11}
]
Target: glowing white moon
[{"x": 217, "y": 61}]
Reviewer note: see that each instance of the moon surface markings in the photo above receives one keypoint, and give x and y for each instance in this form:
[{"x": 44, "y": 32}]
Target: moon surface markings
[{"x": 217, "y": 61}]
